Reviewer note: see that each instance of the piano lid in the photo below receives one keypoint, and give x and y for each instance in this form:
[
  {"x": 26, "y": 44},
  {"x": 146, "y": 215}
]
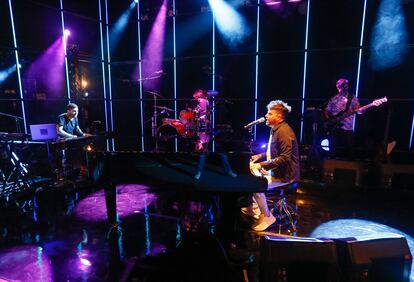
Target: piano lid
[{"x": 174, "y": 171}]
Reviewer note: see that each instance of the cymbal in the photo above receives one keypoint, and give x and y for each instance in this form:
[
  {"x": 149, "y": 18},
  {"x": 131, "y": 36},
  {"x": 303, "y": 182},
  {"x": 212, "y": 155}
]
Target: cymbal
[
  {"x": 164, "y": 108},
  {"x": 154, "y": 93}
]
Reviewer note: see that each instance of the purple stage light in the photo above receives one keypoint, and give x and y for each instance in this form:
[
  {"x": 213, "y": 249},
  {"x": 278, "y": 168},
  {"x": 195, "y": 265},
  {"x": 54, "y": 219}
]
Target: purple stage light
[
  {"x": 66, "y": 32},
  {"x": 129, "y": 199},
  {"x": 25, "y": 263},
  {"x": 47, "y": 71},
  {"x": 85, "y": 262},
  {"x": 153, "y": 52}
]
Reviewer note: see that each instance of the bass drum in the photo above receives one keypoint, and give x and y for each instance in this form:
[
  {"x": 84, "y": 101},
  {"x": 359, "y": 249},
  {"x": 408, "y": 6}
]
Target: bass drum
[{"x": 169, "y": 131}]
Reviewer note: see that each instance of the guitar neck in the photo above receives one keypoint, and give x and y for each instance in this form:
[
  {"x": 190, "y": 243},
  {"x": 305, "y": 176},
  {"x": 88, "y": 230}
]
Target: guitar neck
[{"x": 361, "y": 109}]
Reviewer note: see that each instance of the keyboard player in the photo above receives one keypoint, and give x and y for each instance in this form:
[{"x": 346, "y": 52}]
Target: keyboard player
[
  {"x": 68, "y": 124},
  {"x": 68, "y": 128}
]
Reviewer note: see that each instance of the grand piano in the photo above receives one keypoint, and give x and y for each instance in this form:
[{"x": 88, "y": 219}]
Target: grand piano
[{"x": 175, "y": 171}]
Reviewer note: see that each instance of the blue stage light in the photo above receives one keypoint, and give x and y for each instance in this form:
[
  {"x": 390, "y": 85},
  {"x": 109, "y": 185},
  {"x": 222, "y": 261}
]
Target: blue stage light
[
  {"x": 389, "y": 38},
  {"x": 359, "y": 228},
  {"x": 325, "y": 145},
  {"x": 230, "y": 23},
  {"x": 4, "y": 74}
]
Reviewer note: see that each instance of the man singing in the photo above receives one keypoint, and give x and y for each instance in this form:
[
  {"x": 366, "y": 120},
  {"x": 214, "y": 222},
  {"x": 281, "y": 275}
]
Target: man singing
[{"x": 281, "y": 160}]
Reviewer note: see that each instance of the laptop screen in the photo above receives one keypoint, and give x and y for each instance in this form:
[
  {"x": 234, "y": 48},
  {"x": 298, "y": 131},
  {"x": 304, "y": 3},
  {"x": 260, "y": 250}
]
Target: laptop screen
[{"x": 45, "y": 131}]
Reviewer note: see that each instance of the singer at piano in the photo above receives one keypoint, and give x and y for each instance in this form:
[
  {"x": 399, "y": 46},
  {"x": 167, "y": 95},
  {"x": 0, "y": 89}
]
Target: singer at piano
[
  {"x": 68, "y": 124},
  {"x": 280, "y": 161}
]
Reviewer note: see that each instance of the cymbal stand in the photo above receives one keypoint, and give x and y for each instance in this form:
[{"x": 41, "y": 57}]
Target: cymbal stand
[
  {"x": 154, "y": 123},
  {"x": 154, "y": 118}
]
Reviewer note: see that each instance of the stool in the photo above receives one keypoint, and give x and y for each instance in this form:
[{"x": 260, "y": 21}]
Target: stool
[{"x": 281, "y": 209}]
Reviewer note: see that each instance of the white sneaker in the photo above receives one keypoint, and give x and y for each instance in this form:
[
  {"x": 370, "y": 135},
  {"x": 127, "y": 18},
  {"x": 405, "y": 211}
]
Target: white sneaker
[
  {"x": 252, "y": 210},
  {"x": 264, "y": 222}
]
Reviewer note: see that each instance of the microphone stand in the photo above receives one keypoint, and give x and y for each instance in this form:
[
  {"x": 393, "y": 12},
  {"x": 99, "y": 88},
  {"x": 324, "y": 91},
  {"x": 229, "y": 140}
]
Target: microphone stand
[
  {"x": 17, "y": 120},
  {"x": 251, "y": 139}
]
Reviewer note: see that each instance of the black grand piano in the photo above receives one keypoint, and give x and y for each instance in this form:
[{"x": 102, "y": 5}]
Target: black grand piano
[{"x": 175, "y": 171}]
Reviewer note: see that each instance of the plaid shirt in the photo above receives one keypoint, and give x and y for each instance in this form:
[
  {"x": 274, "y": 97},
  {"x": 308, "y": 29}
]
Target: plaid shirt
[{"x": 337, "y": 104}]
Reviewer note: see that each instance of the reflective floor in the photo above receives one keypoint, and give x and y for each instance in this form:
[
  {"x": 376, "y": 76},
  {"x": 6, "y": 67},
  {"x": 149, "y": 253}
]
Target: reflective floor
[{"x": 61, "y": 233}]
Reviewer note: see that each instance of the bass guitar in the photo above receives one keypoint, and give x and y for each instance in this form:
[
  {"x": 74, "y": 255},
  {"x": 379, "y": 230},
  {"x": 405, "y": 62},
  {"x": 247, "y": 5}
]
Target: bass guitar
[{"x": 332, "y": 123}]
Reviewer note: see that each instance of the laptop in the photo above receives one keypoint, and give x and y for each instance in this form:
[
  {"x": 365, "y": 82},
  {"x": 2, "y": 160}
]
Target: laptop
[{"x": 45, "y": 131}]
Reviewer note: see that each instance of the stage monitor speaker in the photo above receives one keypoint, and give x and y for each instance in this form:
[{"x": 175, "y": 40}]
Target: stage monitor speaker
[
  {"x": 374, "y": 259},
  {"x": 298, "y": 260},
  {"x": 344, "y": 173}
]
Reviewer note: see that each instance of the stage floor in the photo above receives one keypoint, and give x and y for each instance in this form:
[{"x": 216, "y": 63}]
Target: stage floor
[{"x": 163, "y": 235}]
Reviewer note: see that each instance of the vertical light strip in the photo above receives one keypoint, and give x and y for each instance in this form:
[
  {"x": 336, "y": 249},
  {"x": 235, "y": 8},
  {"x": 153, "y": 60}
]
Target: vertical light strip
[
  {"x": 16, "y": 54},
  {"x": 141, "y": 102},
  {"x": 213, "y": 69},
  {"x": 103, "y": 72},
  {"x": 305, "y": 67},
  {"x": 109, "y": 76},
  {"x": 64, "y": 49},
  {"x": 256, "y": 78},
  {"x": 175, "y": 71},
  {"x": 361, "y": 42},
  {"x": 411, "y": 135}
]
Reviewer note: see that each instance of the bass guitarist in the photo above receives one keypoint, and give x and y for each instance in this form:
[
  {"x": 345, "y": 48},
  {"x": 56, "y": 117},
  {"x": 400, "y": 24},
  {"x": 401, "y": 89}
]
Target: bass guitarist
[{"x": 342, "y": 141}]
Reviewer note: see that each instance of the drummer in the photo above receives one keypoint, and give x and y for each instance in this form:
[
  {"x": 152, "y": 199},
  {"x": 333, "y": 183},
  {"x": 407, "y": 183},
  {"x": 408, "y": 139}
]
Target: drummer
[{"x": 202, "y": 110}]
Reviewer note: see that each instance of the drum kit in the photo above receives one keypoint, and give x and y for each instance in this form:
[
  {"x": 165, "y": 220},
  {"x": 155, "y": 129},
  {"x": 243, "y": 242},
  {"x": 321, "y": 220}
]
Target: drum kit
[{"x": 188, "y": 125}]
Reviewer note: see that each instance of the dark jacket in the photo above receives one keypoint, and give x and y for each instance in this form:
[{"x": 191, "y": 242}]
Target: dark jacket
[{"x": 284, "y": 162}]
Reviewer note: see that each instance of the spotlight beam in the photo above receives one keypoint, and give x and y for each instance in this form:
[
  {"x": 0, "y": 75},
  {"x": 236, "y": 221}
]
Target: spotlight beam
[{"x": 230, "y": 23}]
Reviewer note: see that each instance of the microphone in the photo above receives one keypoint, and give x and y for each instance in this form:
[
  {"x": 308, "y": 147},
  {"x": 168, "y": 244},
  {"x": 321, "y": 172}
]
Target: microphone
[{"x": 253, "y": 123}]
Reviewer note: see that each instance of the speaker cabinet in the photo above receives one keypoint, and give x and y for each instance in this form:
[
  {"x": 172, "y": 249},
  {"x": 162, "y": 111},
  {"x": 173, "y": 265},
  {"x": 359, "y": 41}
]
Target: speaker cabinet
[
  {"x": 344, "y": 173},
  {"x": 298, "y": 260},
  {"x": 380, "y": 260}
]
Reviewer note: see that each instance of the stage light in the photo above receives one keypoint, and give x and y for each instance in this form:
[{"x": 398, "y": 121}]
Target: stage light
[
  {"x": 325, "y": 145},
  {"x": 84, "y": 83},
  {"x": 66, "y": 32},
  {"x": 152, "y": 55},
  {"x": 48, "y": 68},
  {"x": 359, "y": 228},
  {"x": 119, "y": 26},
  {"x": 86, "y": 94},
  {"x": 85, "y": 262},
  {"x": 136, "y": 1},
  {"x": 389, "y": 38},
  {"x": 4, "y": 74},
  {"x": 230, "y": 23},
  {"x": 89, "y": 148}
]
